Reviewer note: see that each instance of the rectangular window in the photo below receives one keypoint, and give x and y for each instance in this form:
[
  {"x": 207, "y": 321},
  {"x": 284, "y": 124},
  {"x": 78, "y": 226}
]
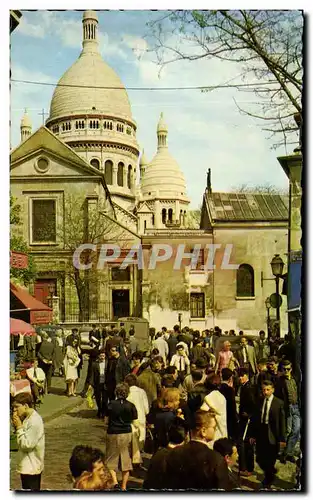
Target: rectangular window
[
  {"x": 200, "y": 262},
  {"x": 197, "y": 309},
  {"x": 43, "y": 221},
  {"x": 120, "y": 274}
]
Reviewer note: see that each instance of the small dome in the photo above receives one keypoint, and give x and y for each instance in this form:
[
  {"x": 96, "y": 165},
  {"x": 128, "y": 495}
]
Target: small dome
[
  {"x": 163, "y": 177},
  {"x": 25, "y": 121},
  {"x": 162, "y": 127}
]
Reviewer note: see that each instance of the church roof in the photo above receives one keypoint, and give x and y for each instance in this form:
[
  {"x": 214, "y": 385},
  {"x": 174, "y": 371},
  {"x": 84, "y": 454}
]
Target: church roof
[
  {"x": 90, "y": 86},
  {"x": 247, "y": 206}
]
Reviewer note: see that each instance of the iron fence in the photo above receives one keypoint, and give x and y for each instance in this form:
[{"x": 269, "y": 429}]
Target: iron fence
[{"x": 98, "y": 311}]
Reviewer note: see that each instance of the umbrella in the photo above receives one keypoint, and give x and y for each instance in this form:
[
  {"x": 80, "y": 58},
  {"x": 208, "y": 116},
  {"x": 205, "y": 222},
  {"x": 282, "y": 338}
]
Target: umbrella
[{"x": 17, "y": 326}]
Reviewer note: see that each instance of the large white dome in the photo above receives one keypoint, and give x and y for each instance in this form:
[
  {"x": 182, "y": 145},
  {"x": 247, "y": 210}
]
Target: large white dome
[{"x": 90, "y": 71}]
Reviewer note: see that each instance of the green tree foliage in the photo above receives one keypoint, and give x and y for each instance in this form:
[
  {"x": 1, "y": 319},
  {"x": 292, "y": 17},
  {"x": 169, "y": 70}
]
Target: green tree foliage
[{"x": 18, "y": 244}]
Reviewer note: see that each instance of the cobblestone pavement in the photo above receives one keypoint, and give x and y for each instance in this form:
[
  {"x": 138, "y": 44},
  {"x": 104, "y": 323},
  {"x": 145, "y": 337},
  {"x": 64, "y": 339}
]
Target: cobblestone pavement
[{"x": 80, "y": 426}]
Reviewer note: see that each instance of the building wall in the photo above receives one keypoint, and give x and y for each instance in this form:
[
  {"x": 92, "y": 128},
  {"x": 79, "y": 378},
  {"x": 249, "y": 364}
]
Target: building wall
[
  {"x": 255, "y": 246},
  {"x": 166, "y": 292}
]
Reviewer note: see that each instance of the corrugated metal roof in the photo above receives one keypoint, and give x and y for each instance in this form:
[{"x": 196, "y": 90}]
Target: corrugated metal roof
[{"x": 249, "y": 206}]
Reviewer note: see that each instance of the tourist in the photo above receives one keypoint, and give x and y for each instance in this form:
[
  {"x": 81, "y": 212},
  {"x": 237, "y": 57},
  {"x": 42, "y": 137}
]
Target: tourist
[
  {"x": 262, "y": 347},
  {"x": 138, "y": 397},
  {"x": 177, "y": 436},
  {"x": 46, "y": 357},
  {"x": 30, "y": 436},
  {"x": 225, "y": 358},
  {"x": 137, "y": 363},
  {"x": 181, "y": 361},
  {"x": 150, "y": 381},
  {"x": 117, "y": 369},
  {"x": 58, "y": 343},
  {"x": 272, "y": 368},
  {"x": 161, "y": 344},
  {"x": 268, "y": 430},
  {"x": 37, "y": 379},
  {"x": 246, "y": 357},
  {"x": 91, "y": 460},
  {"x": 172, "y": 343},
  {"x": 71, "y": 362},
  {"x": 121, "y": 413},
  {"x": 215, "y": 402},
  {"x": 286, "y": 389},
  {"x": 228, "y": 450},
  {"x": 226, "y": 388},
  {"x": 97, "y": 381},
  {"x": 247, "y": 405},
  {"x": 133, "y": 345},
  {"x": 194, "y": 466}
]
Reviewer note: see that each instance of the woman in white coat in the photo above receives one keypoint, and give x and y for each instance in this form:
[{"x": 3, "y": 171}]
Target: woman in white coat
[
  {"x": 138, "y": 397},
  {"x": 216, "y": 402},
  {"x": 70, "y": 363}
]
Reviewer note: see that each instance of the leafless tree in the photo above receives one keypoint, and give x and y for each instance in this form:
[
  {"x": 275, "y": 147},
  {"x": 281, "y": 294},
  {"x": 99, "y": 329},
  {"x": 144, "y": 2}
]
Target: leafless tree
[
  {"x": 86, "y": 224},
  {"x": 260, "y": 188},
  {"x": 266, "y": 45}
]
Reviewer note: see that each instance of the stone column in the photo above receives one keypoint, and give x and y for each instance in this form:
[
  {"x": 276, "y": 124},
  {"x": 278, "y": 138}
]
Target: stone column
[
  {"x": 125, "y": 175},
  {"x": 114, "y": 175},
  {"x": 176, "y": 215},
  {"x": 157, "y": 215},
  {"x": 56, "y": 309}
]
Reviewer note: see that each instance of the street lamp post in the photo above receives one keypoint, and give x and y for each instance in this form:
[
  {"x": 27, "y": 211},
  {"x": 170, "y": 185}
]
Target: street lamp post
[
  {"x": 268, "y": 306},
  {"x": 277, "y": 265}
]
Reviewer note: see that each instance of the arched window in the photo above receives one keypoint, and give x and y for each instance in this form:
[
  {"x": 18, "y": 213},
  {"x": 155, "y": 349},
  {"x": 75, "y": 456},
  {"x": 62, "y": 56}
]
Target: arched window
[
  {"x": 170, "y": 215},
  {"x": 95, "y": 163},
  {"x": 108, "y": 172},
  {"x": 245, "y": 281},
  {"x": 120, "y": 174},
  {"x": 129, "y": 177},
  {"x": 164, "y": 215}
]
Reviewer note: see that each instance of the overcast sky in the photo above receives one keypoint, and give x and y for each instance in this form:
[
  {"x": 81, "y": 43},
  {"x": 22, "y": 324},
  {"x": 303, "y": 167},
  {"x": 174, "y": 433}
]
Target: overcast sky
[{"x": 205, "y": 129}]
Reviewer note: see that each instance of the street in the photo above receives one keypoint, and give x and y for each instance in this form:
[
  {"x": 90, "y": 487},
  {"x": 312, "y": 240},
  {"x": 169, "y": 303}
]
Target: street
[{"x": 79, "y": 426}]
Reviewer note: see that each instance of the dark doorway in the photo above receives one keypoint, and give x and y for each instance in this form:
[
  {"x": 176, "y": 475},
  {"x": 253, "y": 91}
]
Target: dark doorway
[
  {"x": 43, "y": 289},
  {"x": 120, "y": 302}
]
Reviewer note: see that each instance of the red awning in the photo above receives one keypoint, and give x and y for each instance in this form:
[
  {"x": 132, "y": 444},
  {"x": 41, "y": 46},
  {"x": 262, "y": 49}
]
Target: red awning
[
  {"x": 17, "y": 326},
  {"x": 39, "y": 313}
]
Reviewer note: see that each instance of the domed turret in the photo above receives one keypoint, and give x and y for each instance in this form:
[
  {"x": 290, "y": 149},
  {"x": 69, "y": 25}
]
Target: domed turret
[
  {"x": 26, "y": 126},
  {"x": 90, "y": 111},
  {"x": 163, "y": 176},
  {"x": 164, "y": 183}
]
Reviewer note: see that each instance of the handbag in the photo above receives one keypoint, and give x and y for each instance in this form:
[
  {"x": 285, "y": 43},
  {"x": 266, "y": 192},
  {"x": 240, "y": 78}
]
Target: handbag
[{"x": 231, "y": 364}]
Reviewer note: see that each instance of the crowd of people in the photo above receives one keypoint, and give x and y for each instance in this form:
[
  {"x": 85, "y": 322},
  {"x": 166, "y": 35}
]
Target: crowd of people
[{"x": 194, "y": 406}]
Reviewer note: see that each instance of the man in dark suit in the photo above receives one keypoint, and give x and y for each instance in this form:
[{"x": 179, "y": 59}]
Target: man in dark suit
[
  {"x": 228, "y": 450},
  {"x": 226, "y": 388},
  {"x": 172, "y": 343},
  {"x": 246, "y": 357},
  {"x": 194, "y": 465},
  {"x": 246, "y": 411},
  {"x": 97, "y": 380},
  {"x": 117, "y": 369},
  {"x": 269, "y": 432}
]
